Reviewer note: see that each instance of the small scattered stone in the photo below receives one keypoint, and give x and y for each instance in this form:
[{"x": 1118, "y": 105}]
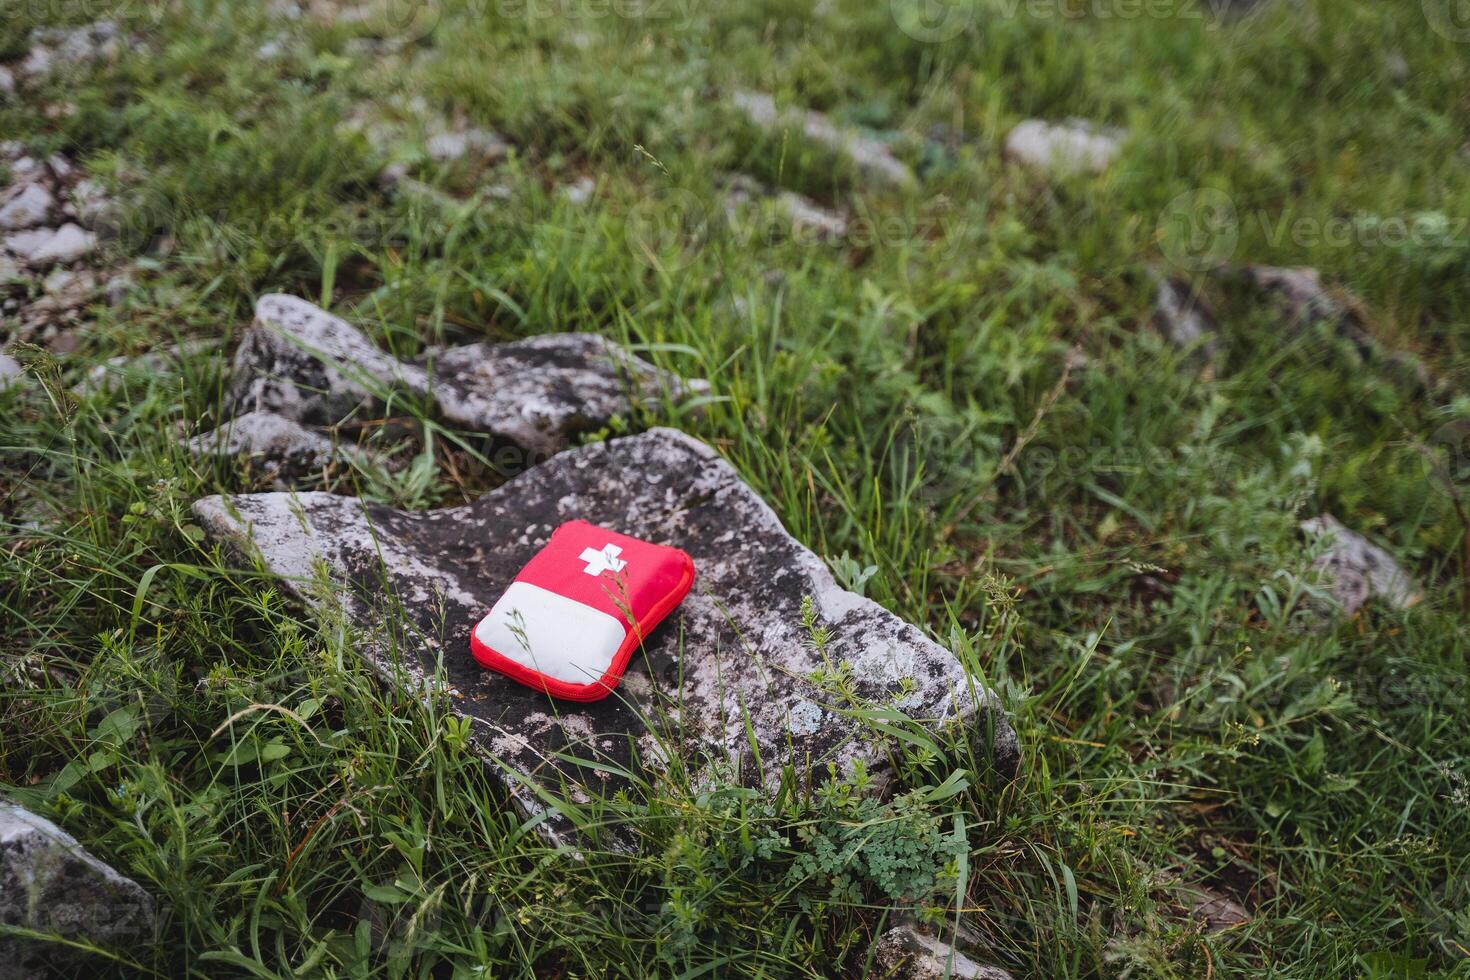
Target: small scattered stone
[
  {"x": 61, "y": 167},
  {"x": 1070, "y": 147},
  {"x": 458, "y": 144},
  {"x": 159, "y": 362},
  {"x": 26, "y": 209},
  {"x": 905, "y": 953},
  {"x": 1218, "y": 912},
  {"x": 579, "y": 191},
  {"x": 1396, "y": 66},
  {"x": 809, "y": 217},
  {"x": 88, "y": 200},
  {"x": 1357, "y": 570},
  {"x": 41, "y": 248},
  {"x": 870, "y": 155},
  {"x": 7, "y": 81},
  {"x": 50, "y": 884},
  {"x": 1306, "y": 300},
  {"x": 393, "y": 173},
  {"x": 63, "y": 293},
  {"x": 274, "y": 444},
  {"x": 65, "y": 342},
  {"x": 25, "y": 168},
  {"x": 37, "y": 62},
  {"x": 60, "y": 46},
  {"x": 1183, "y": 316},
  {"x": 1307, "y": 303},
  {"x": 72, "y": 286},
  {"x": 809, "y": 220},
  {"x": 10, "y": 270},
  {"x": 11, "y": 373},
  {"x": 116, "y": 288},
  {"x": 734, "y": 656}
]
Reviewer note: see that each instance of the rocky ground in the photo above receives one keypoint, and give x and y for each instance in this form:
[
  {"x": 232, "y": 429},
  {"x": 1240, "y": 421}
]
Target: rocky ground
[{"x": 1065, "y": 415}]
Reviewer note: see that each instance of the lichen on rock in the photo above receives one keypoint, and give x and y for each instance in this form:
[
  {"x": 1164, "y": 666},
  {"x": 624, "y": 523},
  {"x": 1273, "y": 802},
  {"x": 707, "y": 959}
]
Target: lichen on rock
[
  {"x": 305, "y": 364},
  {"x": 49, "y": 884}
]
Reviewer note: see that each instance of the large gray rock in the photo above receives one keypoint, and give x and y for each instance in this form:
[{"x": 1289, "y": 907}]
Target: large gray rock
[
  {"x": 1357, "y": 570},
  {"x": 301, "y": 362},
  {"x": 905, "y": 953},
  {"x": 731, "y": 666},
  {"x": 870, "y": 155},
  {"x": 49, "y": 884}
]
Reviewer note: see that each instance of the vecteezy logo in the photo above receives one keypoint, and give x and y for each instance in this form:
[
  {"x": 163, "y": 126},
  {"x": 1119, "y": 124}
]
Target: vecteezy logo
[
  {"x": 406, "y": 20},
  {"x": 667, "y": 229},
  {"x": 1199, "y": 230},
  {"x": 943, "y": 460},
  {"x": 932, "y": 21},
  {"x": 1449, "y": 456},
  {"x": 1450, "y": 19}
]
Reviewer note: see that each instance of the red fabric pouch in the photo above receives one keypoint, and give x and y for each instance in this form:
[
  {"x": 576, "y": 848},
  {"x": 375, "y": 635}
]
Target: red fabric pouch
[{"x": 572, "y": 618}]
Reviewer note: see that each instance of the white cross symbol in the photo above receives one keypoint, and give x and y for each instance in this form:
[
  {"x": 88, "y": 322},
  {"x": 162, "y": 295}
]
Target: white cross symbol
[{"x": 606, "y": 560}]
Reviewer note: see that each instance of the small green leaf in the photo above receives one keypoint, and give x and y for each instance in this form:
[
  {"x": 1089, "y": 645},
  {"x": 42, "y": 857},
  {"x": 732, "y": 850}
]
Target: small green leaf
[{"x": 387, "y": 894}]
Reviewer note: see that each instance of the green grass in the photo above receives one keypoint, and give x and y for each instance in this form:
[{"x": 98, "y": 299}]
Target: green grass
[{"x": 1113, "y": 548}]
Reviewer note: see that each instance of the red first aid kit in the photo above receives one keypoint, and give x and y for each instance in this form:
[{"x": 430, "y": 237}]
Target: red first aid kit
[{"x": 572, "y": 618}]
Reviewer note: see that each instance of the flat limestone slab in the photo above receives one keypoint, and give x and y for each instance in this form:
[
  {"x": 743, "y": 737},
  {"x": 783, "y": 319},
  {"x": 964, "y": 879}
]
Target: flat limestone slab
[{"x": 731, "y": 667}]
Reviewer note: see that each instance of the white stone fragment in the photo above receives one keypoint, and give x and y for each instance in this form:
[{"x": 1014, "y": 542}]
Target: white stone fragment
[
  {"x": 810, "y": 218},
  {"x": 905, "y": 953},
  {"x": 457, "y": 144},
  {"x": 1358, "y": 570},
  {"x": 579, "y": 191},
  {"x": 870, "y": 155},
  {"x": 1183, "y": 316},
  {"x": 45, "y": 247},
  {"x": 277, "y": 442},
  {"x": 11, "y": 373},
  {"x": 26, "y": 209},
  {"x": 9, "y": 269},
  {"x": 1070, "y": 147},
  {"x": 25, "y": 168},
  {"x": 37, "y": 62}
]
